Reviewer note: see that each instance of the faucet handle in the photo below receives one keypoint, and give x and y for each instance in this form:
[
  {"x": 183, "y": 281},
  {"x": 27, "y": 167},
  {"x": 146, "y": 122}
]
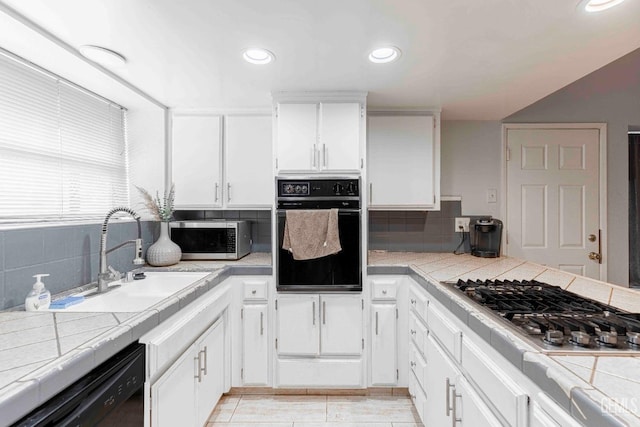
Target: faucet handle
[{"x": 115, "y": 274}]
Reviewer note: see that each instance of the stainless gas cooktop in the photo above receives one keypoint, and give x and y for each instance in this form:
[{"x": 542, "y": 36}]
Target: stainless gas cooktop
[{"x": 554, "y": 319}]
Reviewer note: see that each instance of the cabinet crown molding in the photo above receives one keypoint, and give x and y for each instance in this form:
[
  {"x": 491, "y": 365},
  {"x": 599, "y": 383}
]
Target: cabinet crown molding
[{"x": 319, "y": 96}]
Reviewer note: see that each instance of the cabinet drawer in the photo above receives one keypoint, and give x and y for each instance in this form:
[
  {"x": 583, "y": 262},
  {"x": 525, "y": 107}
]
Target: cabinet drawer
[
  {"x": 502, "y": 391},
  {"x": 417, "y": 332},
  {"x": 444, "y": 331},
  {"x": 384, "y": 288},
  {"x": 418, "y": 365},
  {"x": 254, "y": 289},
  {"x": 418, "y": 301}
]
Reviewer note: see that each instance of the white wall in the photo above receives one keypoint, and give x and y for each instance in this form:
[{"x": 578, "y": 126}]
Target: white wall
[
  {"x": 470, "y": 164},
  {"x": 146, "y": 153},
  {"x": 611, "y": 95}
]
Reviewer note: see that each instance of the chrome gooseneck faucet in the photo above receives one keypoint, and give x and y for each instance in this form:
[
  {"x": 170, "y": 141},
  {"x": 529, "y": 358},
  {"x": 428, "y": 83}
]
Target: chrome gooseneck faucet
[{"x": 107, "y": 273}]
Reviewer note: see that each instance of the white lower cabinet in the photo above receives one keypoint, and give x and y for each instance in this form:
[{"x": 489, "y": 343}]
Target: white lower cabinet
[
  {"x": 319, "y": 340},
  {"x": 188, "y": 391},
  {"x": 255, "y": 345},
  {"x": 313, "y": 325},
  {"x": 254, "y": 330},
  {"x": 384, "y": 366}
]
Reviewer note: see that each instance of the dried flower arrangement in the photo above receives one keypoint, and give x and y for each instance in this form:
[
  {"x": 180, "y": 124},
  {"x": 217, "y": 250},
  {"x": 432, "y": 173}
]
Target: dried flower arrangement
[{"x": 162, "y": 210}]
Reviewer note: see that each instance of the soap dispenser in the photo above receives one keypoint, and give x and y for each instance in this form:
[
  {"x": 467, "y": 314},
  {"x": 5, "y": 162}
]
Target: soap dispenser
[{"x": 39, "y": 298}]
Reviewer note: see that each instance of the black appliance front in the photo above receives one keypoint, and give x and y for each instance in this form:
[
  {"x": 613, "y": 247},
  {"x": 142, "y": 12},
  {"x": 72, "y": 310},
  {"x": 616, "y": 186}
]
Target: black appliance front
[
  {"x": 333, "y": 273},
  {"x": 93, "y": 399}
]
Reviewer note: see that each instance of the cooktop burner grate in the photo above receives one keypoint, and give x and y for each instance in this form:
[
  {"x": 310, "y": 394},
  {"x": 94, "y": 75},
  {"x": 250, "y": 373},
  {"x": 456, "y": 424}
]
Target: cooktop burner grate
[{"x": 554, "y": 317}]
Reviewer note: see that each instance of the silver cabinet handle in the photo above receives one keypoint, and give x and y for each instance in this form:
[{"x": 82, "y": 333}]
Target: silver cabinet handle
[
  {"x": 261, "y": 323},
  {"x": 376, "y": 323},
  {"x": 205, "y": 359},
  {"x": 253, "y": 292},
  {"x": 216, "y": 199},
  {"x": 412, "y": 364},
  {"x": 313, "y": 314},
  {"x": 413, "y": 302},
  {"x": 448, "y": 385},
  {"x": 324, "y": 312},
  {"x": 413, "y": 331},
  {"x": 370, "y": 192},
  {"x": 198, "y": 370},
  {"x": 454, "y": 418},
  {"x": 324, "y": 155},
  {"x": 314, "y": 151},
  {"x": 228, "y": 191}
]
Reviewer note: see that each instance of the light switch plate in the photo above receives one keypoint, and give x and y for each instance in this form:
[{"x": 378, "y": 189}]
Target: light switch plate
[{"x": 492, "y": 195}]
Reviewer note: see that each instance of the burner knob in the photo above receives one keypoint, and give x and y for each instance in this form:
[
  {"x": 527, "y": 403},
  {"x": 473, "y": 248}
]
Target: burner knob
[
  {"x": 352, "y": 188},
  {"x": 338, "y": 188}
]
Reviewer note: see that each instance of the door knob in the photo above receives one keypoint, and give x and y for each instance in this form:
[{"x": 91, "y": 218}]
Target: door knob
[
  {"x": 594, "y": 256},
  {"x": 592, "y": 237}
]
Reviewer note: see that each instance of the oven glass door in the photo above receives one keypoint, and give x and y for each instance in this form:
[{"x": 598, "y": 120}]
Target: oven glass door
[
  {"x": 338, "y": 272},
  {"x": 205, "y": 240}
]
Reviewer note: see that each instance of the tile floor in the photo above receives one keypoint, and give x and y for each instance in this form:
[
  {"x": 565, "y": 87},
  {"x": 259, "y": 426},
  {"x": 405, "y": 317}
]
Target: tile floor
[{"x": 314, "y": 411}]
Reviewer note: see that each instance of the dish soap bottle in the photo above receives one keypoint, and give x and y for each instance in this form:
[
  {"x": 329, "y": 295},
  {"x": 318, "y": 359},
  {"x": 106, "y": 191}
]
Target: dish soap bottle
[{"x": 39, "y": 298}]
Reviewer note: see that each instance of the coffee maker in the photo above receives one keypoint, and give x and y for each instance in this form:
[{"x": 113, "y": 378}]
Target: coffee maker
[{"x": 486, "y": 235}]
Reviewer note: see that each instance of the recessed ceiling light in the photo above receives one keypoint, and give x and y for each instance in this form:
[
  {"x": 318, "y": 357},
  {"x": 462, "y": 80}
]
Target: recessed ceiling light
[
  {"x": 385, "y": 54},
  {"x": 103, "y": 56},
  {"x": 256, "y": 55},
  {"x": 598, "y": 5}
]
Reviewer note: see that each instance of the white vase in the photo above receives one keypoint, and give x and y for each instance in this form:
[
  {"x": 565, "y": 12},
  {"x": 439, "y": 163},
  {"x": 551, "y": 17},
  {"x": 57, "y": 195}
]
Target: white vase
[{"x": 163, "y": 252}]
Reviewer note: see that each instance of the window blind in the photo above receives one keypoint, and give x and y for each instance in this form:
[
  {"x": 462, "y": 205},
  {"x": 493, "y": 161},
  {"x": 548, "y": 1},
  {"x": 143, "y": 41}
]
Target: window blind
[{"x": 63, "y": 150}]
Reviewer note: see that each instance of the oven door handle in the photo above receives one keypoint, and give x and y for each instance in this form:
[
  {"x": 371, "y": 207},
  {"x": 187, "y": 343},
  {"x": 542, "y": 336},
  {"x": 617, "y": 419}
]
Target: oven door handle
[{"x": 283, "y": 212}]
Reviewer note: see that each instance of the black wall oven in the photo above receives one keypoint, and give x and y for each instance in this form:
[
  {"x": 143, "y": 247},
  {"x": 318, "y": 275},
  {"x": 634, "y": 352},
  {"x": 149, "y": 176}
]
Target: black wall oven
[{"x": 340, "y": 272}]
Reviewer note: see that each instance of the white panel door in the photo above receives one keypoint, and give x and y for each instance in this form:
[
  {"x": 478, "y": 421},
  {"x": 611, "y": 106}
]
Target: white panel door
[
  {"x": 298, "y": 325},
  {"x": 297, "y": 137},
  {"x": 196, "y": 152},
  {"x": 439, "y": 372},
  {"x": 401, "y": 161},
  {"x": 248, "y": 164},
  {"x": 174, "y": 393},
  {"x": 210, "y": 383},
  {"x": 384, "y": 344},
  {"x": 255, "y": 345},
  {"x": 341, "y": 329},
  {"x": 553, "y": 197},
  {"x": 340, "y": 136}
]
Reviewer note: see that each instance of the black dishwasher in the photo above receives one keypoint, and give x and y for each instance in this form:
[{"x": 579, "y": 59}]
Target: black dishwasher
[{"x": 91, "y": 400}]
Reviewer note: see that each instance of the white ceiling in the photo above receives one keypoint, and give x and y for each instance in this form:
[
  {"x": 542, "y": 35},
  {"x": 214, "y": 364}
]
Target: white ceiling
[{"x": 480, "y": 60}]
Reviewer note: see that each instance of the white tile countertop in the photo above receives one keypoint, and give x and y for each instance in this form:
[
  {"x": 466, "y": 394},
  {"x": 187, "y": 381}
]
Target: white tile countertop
[
  {"x": 611, "y": 382},
  {"x": 36, "y": 347}
]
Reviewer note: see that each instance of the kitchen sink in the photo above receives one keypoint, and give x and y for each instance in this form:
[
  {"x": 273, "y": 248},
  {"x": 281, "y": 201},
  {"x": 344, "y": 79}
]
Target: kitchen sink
[{"x": 136, "y": 295}]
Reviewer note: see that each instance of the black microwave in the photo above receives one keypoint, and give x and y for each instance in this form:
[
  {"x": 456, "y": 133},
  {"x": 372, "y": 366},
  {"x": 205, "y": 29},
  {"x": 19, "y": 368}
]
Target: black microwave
[{"x": 211, "y": 239}]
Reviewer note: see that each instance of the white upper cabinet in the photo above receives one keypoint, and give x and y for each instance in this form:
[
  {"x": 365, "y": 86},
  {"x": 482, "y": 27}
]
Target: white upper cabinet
[
  {"x": 339, "y": 136},
  {"x": 404, "y": 161},
  {"x": 196, "y": 153},
  {"x": 247, "y": 161},
  {"x": 320, "y": 132},
  {"x": 203, "y": 143}
]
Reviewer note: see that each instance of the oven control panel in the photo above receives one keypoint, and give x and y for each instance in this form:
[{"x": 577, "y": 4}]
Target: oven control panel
[{"x": 333, "y": 188}]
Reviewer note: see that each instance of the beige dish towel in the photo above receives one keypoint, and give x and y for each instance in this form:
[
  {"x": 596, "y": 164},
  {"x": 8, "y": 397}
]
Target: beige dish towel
[{"x": 310, "y": 234}]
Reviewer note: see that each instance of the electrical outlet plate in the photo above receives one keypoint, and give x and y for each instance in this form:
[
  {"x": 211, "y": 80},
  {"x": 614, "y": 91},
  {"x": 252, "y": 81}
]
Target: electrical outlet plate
[{"x": 462, "y": 225}]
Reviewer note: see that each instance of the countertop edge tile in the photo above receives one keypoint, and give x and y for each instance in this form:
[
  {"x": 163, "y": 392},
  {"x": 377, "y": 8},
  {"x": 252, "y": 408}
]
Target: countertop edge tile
[{"x": 17, "y": 400}]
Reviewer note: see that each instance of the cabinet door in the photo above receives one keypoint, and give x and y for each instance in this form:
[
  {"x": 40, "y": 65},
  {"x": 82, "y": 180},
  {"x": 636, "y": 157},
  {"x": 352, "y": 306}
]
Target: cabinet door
[
  {"x": 439, "y": 373},
  {"x": 384, "y": 369},
  {"x": 298, "y": 325},
  {"x": 402, "y": 160},
  {"x": 255, "y": 363},
  {"x": 248, "y": 164},
  {"x": 469, "y": 408},
  {"x": 341, "y": 331},
  {"x": 196, "y": 159},
  {"x": 210, "y": 383},
  {"x": 339, "y": 136},
  {"x": 297, "y": 137},
  {"x": 173, "y": 395}
]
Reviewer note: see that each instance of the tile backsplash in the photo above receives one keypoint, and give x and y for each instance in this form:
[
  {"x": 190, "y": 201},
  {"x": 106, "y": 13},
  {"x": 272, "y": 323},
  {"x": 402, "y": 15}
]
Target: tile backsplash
[
  {"x": 69, "y": 253},
  {"x": 416, "y": 231}
]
